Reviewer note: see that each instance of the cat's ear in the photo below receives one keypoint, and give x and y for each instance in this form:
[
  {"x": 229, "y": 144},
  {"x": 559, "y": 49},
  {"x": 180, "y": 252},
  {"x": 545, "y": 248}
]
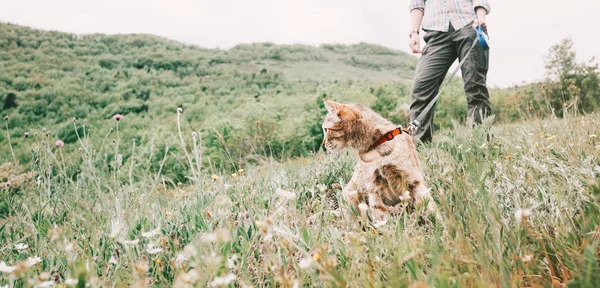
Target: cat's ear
[{"x": 332, "y": 106}]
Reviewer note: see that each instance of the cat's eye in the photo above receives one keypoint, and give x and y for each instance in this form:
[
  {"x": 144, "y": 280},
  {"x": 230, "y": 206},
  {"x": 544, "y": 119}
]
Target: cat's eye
[{"x": 325, "y": 129}]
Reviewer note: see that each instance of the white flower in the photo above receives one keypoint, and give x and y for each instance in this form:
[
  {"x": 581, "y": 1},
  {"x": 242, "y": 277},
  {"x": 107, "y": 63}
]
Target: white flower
[
  {"x": 113, "y": 260},
  {"x": 288, "y": 195},
  {"x": 527, "y": 258},
  {"x": 405, "y": 196},
  {"x": 33, "y": 261},
  {"x": 222, "y": 281},
  {"x": 306, "y": 262},
  {"x": 151, "y": 234},
  {"x": 69, "y": 247},
  {"x": 46, "y": 284},
  {"x": 380, "y": 223},
  {"x": 363, "y": 207},
  {"x": 231, "y": 261},
  {"x": 71, "y": 281},
  {"x": 322, "y": 188},
  {"x": 5, "y": 268},
  {"x": 131, "y": 242},
  {"x": 187, "y": 279},
  {"x": 21, "y": 246},
  {"x": 521, "y": 214},
  {"x": 153, "y": 250},
  {"x": 218, "y": 235},
  {"x": 116, "y": 228},
  {"x": 208, "y": 238},
  {"x": 181, "y": 258}
]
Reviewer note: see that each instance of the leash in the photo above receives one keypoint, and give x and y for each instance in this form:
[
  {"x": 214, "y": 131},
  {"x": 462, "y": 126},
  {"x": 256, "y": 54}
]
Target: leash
[{"x": 483, "y": 40}]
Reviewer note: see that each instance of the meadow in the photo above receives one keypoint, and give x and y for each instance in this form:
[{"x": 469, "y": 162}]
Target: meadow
[
  {"x": 133, "y": 161},
  {"x": 520, "y": 210}
]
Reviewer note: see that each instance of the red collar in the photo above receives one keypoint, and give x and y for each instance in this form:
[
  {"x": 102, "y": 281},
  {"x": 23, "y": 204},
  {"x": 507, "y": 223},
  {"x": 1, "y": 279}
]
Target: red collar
[{"x": 387, "y": 137}]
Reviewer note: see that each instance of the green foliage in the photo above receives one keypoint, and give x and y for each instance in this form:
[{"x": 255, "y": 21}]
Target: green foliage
[{"x": 573, "y": 86}]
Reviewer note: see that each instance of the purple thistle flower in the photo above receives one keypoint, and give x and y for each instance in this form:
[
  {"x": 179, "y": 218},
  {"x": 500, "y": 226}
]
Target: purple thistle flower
[
  {"x": 117, "y": 117},
  {"x": 59, "y": 143}
]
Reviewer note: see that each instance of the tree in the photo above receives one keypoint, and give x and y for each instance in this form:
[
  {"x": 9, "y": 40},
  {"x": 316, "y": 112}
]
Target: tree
[
  {"x": 10, "y": 101},
  {"x": 572, "y": 86}
]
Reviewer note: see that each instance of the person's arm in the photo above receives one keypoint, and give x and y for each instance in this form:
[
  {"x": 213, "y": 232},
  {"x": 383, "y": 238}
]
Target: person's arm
[
  {"x": 417, "y": 8},
  {"x": 482, "y": 8}
]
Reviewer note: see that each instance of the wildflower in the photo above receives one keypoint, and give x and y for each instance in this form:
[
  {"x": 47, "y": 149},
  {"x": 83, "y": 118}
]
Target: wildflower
[
  {"x": 5, "y": 268},
  {"x": 71, "y": 281},
  {"x": 48, "y": 283},
  {"x": 527, "y": 258},
  {"x": 70, "y": 246},
  {"x": 522, "y": 214},
  {"x": 59, "y": 143},
  {"x": 285, "y": 194},
  {"x": 151, "y": 234},
  {"x": 31, "y": 261},
  {"x": 188, "y": 279},
  {"x": 159, "y": 262},
  {"x": 179, "y": 110},
  {"x": 592, "y": 136},
  {"x": 317, "y": 257},
  {"x": 380, "y": 223},
  {"x": 223, "y": 281},
  {"x": 363, "y": 207},
  {"x": 116, "y": 228},
  {"x": 305, "y": 263},
  {"x": 21, "y": 246},
  {"x": 231, "y": 261},
  {"x": 186, "y": 254},
  {"x": 257, "y": 123},
  {"x": 322, "y": 188},
  {"x": 218, "y": 235},
  {"x": 117, "y": 117},
  {"x": 168, "y": 213},
  {"x": 233, "y": 175},
  {"x": 215, "y": 177},
  {"x": 112, "y": 260},
  {"x": 241, "y": 171},
  {"x": 405, "y": 196},
  {"x": 153, "y": 250},
  {"x": 26, "y": 134}
]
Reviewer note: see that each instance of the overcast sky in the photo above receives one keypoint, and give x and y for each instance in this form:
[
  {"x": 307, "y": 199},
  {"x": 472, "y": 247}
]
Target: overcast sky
[{"x": 521, "y": 31}]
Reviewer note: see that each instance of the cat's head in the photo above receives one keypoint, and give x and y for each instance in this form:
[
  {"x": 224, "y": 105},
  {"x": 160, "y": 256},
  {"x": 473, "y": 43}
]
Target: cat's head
[{"x": 339, "y": 124}]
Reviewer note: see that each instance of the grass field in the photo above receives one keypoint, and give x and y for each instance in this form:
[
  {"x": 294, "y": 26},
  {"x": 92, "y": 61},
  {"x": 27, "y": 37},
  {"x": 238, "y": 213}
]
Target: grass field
[{"x": 519, "y": 210}]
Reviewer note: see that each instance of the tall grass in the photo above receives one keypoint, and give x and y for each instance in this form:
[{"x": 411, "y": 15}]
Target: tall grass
[{"x": 519, "y": 210}]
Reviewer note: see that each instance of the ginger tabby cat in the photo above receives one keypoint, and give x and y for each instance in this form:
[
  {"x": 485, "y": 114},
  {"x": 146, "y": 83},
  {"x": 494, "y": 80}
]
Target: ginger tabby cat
[{"x": 384, "y": 170}]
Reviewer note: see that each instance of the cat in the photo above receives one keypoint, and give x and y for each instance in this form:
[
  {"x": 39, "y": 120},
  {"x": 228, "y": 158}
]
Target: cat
[{"x": 388, "y": 163}]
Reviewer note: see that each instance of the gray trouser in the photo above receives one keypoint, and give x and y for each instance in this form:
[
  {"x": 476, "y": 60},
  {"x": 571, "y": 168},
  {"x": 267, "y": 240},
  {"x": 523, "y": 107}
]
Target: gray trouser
[{"x": 441, "y": 50}]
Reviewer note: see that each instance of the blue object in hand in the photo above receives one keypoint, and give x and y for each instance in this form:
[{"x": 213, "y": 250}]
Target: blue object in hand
[{"x": 484, "y": 40}]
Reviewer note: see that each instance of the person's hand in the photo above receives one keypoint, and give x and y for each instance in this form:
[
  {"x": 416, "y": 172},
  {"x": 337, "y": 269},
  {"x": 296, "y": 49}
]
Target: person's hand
[
  {"x": 480, "y": 19},
  {"x": 414, "y": 43},
  {"x": 481, "y": 23}
]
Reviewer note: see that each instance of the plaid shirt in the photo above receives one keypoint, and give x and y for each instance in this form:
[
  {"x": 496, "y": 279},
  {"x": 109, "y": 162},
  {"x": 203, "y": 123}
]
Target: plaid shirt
[{"x": 440, "y": 13}]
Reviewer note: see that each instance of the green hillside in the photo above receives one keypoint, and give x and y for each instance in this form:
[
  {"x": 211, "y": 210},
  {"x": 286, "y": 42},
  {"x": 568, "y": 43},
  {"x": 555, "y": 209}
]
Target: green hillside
[{"x": 57, "y": 76}]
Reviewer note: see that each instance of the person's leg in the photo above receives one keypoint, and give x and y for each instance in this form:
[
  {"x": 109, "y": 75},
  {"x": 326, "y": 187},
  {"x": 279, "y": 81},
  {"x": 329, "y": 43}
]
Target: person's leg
[
  {"x": 437, "y": 57},
  {"x": 474, "y": 73}
]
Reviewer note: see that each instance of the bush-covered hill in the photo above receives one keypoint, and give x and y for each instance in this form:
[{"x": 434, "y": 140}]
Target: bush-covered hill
[
  {"x": 47, "y": 78},
  {"x": 252, "y": 95}
]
